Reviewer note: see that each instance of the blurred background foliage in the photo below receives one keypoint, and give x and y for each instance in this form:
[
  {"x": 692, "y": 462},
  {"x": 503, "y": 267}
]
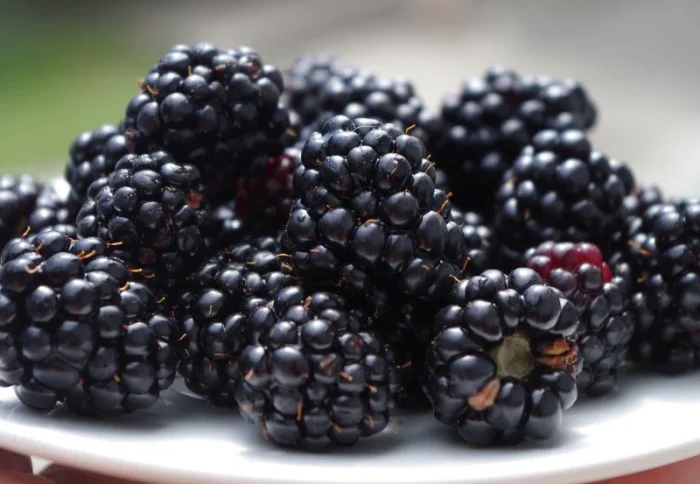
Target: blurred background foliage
[
  {"x": 69, "y": 65},
  {"x": 66, "y": 66}
]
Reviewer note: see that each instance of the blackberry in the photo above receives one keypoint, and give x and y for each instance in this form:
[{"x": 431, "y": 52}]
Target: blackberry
[
  {"x": 369, "y": 213},
  {"x": 478, "y": 239},
  {"x": 263, "y": 202},
  {"x": 314, "y": 374},
  {"x": 560, "y": 189},
  {"x": 305, "y": 80},
  {"x": 660, "y": 259},
  {"x": 218, "y": 110},
  {"x": 18, "y": 197},
  {"x": 75, "y": 328},
  {"x": 601, "y": 300},
  {"x": 93, "y": 155},
  {"x": 485, "y": 126},
  {"x": 152, "y": 211},
  {"x": 219, "y": 295},
  {"x": 503, "y": 364}
]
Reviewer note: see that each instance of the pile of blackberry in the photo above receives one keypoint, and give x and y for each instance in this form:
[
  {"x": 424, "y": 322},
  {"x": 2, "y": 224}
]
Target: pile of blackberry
[{"x": 314, "y": 249}]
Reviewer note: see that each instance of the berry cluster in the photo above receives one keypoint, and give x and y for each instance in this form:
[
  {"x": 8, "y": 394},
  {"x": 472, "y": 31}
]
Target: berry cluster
[{"x": 287, "y": 243}]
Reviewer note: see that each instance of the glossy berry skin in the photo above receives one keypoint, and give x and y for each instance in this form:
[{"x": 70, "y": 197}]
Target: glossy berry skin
[
  {"x": 18, "y": 196},
  {"x": 218, "y": 110},
  {"x": 314, "y": 373},
  {"x": 484, "y": 127},
  {"x": 212, "y": 313},
  {"x": 601, "y": 300},
  {"x": 151, "y": 209},
  {"x": 660, "y": 258},
  {"x": 503, "y": 364},
  {"x": 560, "y": 189},
  {"x": 93, "y": 155},
  {"x": 369, "y": 213},
  {"x": 76, "y": 329},
  {"x": 263, "y": 201}
]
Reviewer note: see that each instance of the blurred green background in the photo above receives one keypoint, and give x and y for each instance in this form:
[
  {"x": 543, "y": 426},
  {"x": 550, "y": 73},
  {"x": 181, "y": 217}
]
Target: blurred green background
[
  {"x": 66, "y": 67},
  {"x": 69, "y": 65}
]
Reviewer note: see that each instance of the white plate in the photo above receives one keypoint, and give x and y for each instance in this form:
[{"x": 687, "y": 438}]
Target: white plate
[{"x": 652, "y": 422}]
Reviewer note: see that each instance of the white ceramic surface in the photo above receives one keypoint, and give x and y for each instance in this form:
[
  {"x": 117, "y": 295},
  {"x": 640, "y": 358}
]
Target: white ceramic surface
[{"x": 652, "y": 422}]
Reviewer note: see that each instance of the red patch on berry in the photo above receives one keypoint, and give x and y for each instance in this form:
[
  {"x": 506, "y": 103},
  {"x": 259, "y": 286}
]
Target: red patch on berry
[
  {"x": 559, "y": 251},
  {"x": 589, "y": 253},
  {"x": 567, "y": 256},
  {"x": 541, "y": 264}
]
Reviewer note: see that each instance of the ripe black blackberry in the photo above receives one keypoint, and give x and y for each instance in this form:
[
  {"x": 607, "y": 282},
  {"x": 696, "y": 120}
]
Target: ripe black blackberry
[
  {"x": 93, "y": 155},
  {"x": 560, "y": 189},
  {"x": 305, "y": 80},
  {"x": 218, "y": 110},
  {"x": 74, "y": 328},
  {"x": 314, "y": 374},
  {"x": 485, "y": 126},
  {"x": 504, "y": 362},
  {"x": 369, "y": 213},
  {"x": 601, "y": 300},
  {"x": 660, "y": 258},
  {"x": 152, "y": 212},
  {"x": 213, "y": 308},
  {"x": 18, "y": 196},
  {"x": 263, "y": 202}
]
